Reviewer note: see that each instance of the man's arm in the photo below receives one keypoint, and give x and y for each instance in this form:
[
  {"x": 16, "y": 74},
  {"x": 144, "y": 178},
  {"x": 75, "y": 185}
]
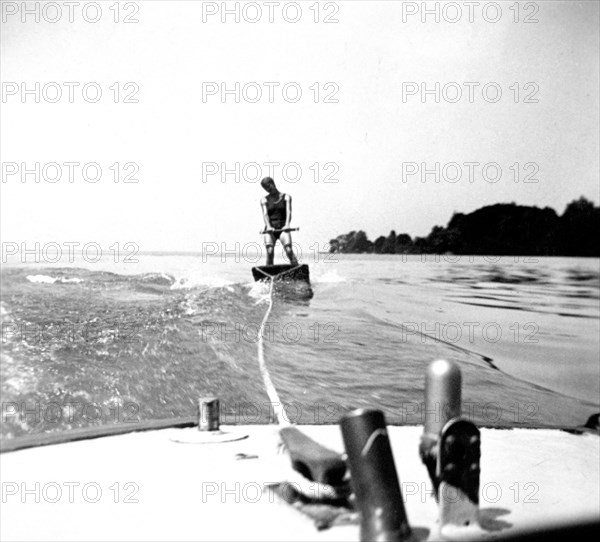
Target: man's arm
[
  {"x": 263, "y": 205},
  {"x": 288, "y": 209}
]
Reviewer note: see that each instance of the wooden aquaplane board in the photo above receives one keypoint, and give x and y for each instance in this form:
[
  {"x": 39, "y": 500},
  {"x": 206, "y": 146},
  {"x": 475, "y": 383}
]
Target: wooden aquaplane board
[{"x": 283, "y": 272}]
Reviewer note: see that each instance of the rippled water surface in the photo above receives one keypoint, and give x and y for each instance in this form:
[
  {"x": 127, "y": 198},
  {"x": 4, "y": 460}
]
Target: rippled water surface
[{"x": 116, "y": 343}]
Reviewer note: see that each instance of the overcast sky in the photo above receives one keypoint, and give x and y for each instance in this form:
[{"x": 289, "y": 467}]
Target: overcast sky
[{"x": 547, "y": 116}]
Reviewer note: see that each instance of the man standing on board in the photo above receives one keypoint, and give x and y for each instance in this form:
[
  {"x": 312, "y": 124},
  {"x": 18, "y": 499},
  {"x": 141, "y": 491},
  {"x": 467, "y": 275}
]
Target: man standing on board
[{"x": 277, "y": 214}]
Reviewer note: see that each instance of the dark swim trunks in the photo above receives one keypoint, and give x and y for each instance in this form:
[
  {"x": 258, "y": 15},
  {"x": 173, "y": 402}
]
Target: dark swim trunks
[{"x": 274, "y": 236}]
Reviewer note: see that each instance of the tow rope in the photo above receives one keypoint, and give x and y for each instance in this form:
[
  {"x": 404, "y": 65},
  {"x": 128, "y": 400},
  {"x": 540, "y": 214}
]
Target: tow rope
[{"x": 264, "y": 371}]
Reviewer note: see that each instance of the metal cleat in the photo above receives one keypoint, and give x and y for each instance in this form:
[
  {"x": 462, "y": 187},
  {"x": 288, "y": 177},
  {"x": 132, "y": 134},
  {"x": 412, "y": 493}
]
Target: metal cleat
[
  {"x": 374, "y": 478},
  {"x": 457, "y": 472},
  {"x": 209, "y": 426},
  {"x": 443, "y": 385},
  {"x": 209, "y": 414}
]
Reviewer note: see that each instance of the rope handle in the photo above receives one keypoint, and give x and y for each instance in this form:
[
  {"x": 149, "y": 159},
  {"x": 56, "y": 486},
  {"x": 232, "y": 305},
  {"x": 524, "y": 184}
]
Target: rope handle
[{"x": 275, "y": 230}]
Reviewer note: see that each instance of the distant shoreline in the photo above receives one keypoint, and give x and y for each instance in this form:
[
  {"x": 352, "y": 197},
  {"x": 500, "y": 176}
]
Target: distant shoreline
[{"x": 503, "y": 229}]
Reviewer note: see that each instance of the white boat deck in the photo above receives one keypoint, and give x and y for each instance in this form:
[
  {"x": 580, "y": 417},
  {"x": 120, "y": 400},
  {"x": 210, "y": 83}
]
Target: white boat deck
[{"x": 148, "y": 487}]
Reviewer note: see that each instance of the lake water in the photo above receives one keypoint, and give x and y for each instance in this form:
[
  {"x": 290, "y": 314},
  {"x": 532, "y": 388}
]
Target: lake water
[{"x": 105, "y": 342}]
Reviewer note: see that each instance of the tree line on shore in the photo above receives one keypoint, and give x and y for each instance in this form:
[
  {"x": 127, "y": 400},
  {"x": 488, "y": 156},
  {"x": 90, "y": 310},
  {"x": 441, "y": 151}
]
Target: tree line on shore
[{"x": 501, "y": 229}]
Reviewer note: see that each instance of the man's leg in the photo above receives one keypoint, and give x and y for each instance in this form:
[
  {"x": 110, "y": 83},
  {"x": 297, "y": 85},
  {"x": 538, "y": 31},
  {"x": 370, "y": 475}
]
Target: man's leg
[
  {"x": 270, "y": 254},
  {"x": 286, "y": 241},
  {"x": 289, "y": 251},
  {"x": 269, "y": 240}
]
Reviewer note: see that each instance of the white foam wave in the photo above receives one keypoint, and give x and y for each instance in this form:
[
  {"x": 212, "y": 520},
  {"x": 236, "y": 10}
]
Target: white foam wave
[
  {"x": 41, "y": 279},
  {"x": 259, "y": 290},
  {"x": 195, "y": 281},
  {"x": 153, "y": 276},
  {"x": 45, "y": 279},
  {"x": 17, "y": 378},
  {"x": 330, "y": 277}
]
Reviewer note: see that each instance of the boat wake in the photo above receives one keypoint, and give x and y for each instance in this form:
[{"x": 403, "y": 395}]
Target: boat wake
[{"x": 83, "y": 348}]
